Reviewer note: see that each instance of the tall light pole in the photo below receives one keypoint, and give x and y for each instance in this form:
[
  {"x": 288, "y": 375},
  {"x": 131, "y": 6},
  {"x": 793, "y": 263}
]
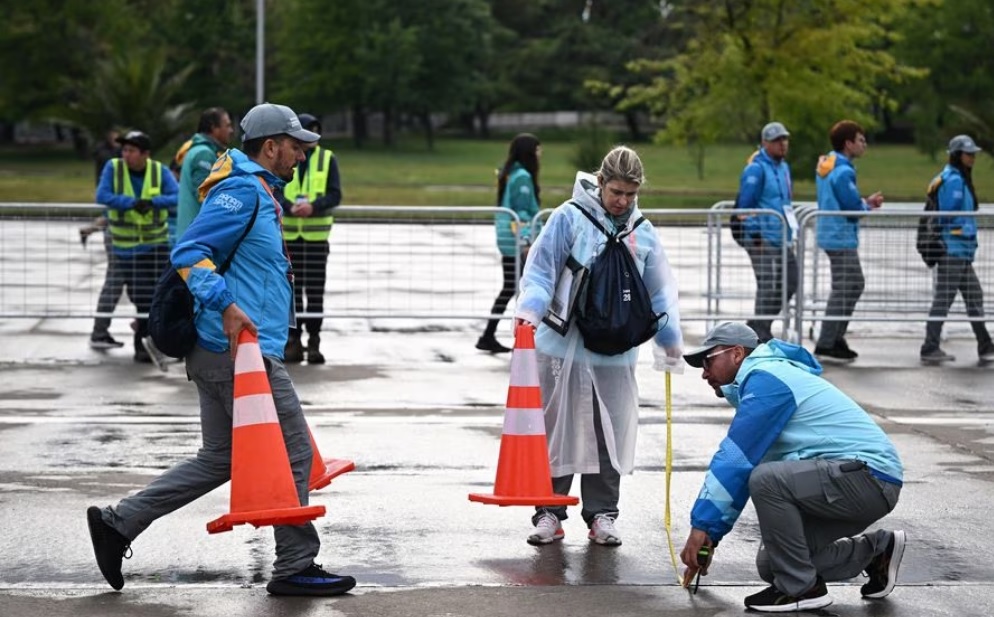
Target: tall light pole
[{"x": 260, "y": 51}]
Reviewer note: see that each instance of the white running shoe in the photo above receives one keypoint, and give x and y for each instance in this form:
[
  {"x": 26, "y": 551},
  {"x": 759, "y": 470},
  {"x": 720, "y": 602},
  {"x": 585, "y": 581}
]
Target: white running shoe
[
  {"x": 548, "y": 529},
  {"x": 603, "y": 531}
]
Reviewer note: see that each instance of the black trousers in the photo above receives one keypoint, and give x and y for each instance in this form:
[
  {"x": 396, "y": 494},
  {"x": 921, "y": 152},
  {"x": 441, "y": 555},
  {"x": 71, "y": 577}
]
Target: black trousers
[
  {"x": 507, "y": 292},
  {"x": 139, "y": 274},
  {"x": 310, "y": 271}
]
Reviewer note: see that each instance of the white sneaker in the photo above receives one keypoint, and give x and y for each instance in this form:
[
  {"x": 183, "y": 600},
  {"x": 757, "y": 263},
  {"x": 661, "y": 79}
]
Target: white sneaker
[
  {"x": 603, "y": 531},
  {"x": 548, "y": 529},
  {"x": 159, "y": 359}
]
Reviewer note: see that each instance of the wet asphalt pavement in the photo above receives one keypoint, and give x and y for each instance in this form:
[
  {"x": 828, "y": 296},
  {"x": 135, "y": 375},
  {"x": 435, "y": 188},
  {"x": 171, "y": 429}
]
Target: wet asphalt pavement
[{"x": 420, "y": 414}]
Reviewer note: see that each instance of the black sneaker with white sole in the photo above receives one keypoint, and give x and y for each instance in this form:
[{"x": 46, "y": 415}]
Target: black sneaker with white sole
[
  {"x": 311, "y": 581},
  {"x": 883, "y": 569},
  {"x": 103, "y": 340},
  {"x": 109, "y": 547},
  {"x": 772, "y": 600}
]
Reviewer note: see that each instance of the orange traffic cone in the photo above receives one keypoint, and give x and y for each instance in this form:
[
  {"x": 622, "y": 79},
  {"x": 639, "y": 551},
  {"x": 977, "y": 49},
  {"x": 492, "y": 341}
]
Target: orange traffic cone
[
  {"x": 523, "y": 475},
  {"x": 262, "y": 488},
  {"x": 324, "y": 470}
]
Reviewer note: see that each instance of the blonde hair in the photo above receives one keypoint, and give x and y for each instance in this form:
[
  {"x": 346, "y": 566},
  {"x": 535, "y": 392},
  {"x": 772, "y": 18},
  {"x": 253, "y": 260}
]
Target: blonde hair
[{"x": 621, "y": 163}]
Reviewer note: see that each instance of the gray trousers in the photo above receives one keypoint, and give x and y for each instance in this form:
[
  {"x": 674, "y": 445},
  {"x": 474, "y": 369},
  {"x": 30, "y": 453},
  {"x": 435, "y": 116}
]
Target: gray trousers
[
  {"x": 812, "y": 516},
  {"x": 768, "y": 267},
  {"x": 599, "y": 492},
  {"x": 954, "y": 275},
  {"x": 112, "y": 288},
  {"x": 296, "y": 546},
  {"x": 847, "y": 287}
]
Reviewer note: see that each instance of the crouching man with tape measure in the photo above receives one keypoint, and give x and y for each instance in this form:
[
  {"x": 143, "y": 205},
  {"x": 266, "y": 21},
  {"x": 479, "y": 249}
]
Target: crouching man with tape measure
[{"x": 818, "y": 469}]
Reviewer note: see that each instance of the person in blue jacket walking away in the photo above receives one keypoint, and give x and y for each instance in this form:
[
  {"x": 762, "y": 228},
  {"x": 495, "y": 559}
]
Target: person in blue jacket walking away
[
  {"x": 766, "y": 184},
  {"x": 954, "y": 271},
  {"x": 518, "y": 191},
  {"x": 838, "y": 236},
  {"x": 254, "y": 294},
  {"x": 818, "y": 469}
]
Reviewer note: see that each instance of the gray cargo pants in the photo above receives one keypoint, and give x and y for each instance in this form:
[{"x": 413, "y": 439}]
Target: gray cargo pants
[
  {"x": 810, "y": 513},
  {"x": 296, "y": 546}
]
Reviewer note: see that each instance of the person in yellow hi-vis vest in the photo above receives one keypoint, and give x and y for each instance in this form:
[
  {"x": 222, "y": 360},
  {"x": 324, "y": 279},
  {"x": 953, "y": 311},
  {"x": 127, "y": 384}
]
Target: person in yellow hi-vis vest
[
  {"x": 138, "y": 193},
  {"x": 308, "y": 200}
]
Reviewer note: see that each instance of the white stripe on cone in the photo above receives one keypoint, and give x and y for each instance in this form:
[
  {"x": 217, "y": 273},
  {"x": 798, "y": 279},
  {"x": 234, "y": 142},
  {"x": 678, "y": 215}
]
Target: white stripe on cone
[
  {"x": 524, "y": 422},
  {"x": 524, "y": 368},
  {"x": 248, "y": 359},
  {"x": 254, "y": 409}
]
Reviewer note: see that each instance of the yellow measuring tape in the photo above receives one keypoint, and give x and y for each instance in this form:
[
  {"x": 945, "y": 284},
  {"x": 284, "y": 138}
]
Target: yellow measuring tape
[{"x": 669, "y": 472}]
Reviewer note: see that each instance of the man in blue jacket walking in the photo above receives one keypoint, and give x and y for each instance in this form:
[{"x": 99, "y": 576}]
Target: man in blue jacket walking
[
  {"x": 256, "y": 293},
  {"x": 817, "y": 467},
  {"x": 838, "y": 236},
  {"x": 766, "y": 184}
]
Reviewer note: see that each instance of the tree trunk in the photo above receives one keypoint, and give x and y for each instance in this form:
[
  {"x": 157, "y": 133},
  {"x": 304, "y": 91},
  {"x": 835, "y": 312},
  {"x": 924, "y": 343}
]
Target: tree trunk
[
  {"x": 360, "y": 128},
  {"x": 632, "y": 120},
  {"x": 388, "y": 139},
  {"x": 483, "y": 117},
  {"x": 6, "y": 132},
  {"x": 429, "y": 129}
]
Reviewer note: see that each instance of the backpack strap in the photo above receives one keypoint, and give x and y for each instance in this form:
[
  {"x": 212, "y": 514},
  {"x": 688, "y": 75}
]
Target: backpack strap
[
  {"x": 227, "y": 262},
  {"x": 592, "y": 219}
]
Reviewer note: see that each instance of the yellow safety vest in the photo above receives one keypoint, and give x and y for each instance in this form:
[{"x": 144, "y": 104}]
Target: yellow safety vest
[
  {"x": 129, "y": 228},
  {"x": 313, "y": 228}
]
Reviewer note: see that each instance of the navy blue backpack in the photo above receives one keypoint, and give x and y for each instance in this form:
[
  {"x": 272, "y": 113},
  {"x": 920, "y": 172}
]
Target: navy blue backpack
[{"x": 616, "y": 314}]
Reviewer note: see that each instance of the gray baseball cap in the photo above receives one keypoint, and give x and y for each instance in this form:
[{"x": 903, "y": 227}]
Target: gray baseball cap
[
  {"x": 728, "y": 333},
  {"x": 269, "y": 119},
  {"x": 773, "y": 131},
  {"x": 963, "y": 143}
]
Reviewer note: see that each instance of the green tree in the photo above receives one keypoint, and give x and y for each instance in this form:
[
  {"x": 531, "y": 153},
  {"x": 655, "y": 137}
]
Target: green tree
[
  {"x": 131, "y": 89},
  {"x": 951, "y": 39},
  {"x": 806, "y": 64}
]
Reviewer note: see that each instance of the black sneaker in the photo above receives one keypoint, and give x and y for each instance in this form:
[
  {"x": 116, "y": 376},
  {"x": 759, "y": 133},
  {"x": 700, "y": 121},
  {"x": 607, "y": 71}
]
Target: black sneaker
[
  {"x": 986, "y": 354},
  {"x": 103, "y": 340},
  {"x": 837, "y": 353},
  {"x": 772, "y": 600},
  {"x": 844, "y": 346},
  {"x": 491, "y": 344},
  {"x": 883, "y": 568},
  {"x": 311, "y": 581},
  {"x": 109, "y": 547},
  {"x": 936, "y": 356}
]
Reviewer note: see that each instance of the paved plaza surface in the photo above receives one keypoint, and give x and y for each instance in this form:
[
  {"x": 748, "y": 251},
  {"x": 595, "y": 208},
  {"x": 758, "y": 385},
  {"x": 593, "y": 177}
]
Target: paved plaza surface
[{"x": 419, "y": 410}]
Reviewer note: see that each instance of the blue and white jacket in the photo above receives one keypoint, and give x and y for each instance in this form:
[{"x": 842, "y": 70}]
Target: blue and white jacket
[
  {"x": 785, "y": 412},
  {"x": 258, "y": 279},
  {"x": 835, "y": 182},
  {"x": 766, "y": 183},
  {"x": 958, "y": 232}
]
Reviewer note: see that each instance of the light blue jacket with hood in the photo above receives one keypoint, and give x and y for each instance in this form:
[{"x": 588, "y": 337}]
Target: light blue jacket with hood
[
  {"x": 258, "y": 279},
  {"x": 785, "y": 412}
]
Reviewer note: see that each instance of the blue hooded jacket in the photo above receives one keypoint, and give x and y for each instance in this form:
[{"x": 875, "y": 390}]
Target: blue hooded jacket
[
  {"x": 258, "y": 279},
  {"x": 958, "y": 232},
  {"x": 766, "y": 183},
  {"x": 519, "y": 196},
  {"x": 835, "y": 182},
  {"x": 785, "y": 412}
]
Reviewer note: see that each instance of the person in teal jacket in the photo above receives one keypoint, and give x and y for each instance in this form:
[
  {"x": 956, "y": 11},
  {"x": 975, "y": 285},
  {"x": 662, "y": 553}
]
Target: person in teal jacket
[
  {"x": 838, "y": 236},
  {"x": 766, "y": 184},
  {"x": 255, "y": 294},
  {"x": 211, "y": 139},
  {"x": 954, "y": 271},
  {"x": 817, "y": 467},
  {"x": 518, "y": 191}
]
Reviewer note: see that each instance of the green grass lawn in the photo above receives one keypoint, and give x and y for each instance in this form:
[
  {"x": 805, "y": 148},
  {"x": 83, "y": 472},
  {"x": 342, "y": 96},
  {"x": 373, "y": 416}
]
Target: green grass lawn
[{"x": 462, "y": 172}]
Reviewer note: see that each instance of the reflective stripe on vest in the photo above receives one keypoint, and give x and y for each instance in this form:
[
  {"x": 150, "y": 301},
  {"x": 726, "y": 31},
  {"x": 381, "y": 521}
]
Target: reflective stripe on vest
[
  {"x": 313, "y": 228},
  {"x": 129, "y": 228}
]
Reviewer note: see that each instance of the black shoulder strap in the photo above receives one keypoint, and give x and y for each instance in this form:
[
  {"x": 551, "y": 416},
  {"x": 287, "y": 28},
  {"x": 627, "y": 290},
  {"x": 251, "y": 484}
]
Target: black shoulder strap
[
  {"x": 227, "y": 262},
  {"x": 597, "y": 224}
]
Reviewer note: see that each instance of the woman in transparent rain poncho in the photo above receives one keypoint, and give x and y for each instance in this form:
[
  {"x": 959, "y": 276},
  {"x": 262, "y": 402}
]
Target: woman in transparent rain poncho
[{"x": 591, "y": 400}]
